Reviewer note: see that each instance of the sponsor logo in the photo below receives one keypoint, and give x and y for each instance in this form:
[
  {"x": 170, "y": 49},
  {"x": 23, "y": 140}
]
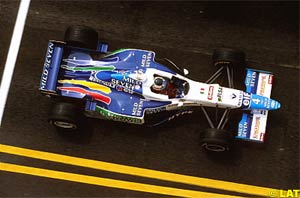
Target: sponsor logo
[
  {"x": 272, "y": 104},
  {"x": 180, "y": 114},
  {"x": 246, "y": 100},
  {"x": 240, "y": 98},
  {"x": 155, "y": 110},
  {"x": 256, "y": 128},
  {"x": 109, "y": 84},
  {"x": 118, "y": 117},
  {"x": 248, "y": 78},
  {"x": 220, "y": 93},
  {"x": 131, "y": 81},
  {"x": 253, "y": 78},
  {"x": 47, "y": 65},
  {"x": 266, "y": 102},
  {"x": 146, "y": 60},
  {"x": 263, "y": 86},
  {"x": 127, "y": 86},
  {"x": 210, "y": 93},
  {"x": 137, "y": 109},
  {"x": 243, "y": 129},
  {"x": 233, "y": 96}
]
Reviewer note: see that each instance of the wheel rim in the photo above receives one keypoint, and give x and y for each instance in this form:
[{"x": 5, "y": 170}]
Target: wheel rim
[
  {"x": 214, "y": 147},
  {"x": 65, "y": 125}
]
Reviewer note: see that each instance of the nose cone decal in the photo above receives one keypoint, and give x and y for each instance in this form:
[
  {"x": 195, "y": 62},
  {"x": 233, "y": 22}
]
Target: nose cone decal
[
  {"x": 254, "y": 101},
  {"x": 274, "y": 104}
]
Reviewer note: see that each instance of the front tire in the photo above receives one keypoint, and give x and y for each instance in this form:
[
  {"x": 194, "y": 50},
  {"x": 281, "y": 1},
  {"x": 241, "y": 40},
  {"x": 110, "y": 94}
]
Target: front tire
[
  {"x": 81, "y": 36},
  {"x": 228, "y": 57},
  {"x": 216, "y": 140},
  {"x": 65, "y": 116}
]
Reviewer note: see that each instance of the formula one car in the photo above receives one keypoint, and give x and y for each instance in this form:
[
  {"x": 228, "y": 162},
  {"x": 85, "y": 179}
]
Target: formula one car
[{"x": 128, "y": 85}]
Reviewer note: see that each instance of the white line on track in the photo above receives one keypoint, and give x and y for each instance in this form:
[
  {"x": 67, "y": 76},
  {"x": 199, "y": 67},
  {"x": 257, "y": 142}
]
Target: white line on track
[{"x": 12, "y": 54}]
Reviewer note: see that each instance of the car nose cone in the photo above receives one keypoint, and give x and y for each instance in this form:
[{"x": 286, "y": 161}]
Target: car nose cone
[{"x": 274, "y": 104}]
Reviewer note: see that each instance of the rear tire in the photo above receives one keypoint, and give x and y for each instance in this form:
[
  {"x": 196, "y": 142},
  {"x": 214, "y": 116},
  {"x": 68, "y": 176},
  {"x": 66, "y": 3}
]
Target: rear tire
[
  {"x": 65, "y": 116},
  {"x": 228, "y": 57},
  {"x": 216, "y": 140},
  {"x": 81, "y": 36}
]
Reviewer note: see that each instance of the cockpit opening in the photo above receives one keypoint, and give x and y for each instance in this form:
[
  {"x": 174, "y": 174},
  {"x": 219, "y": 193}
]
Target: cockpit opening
[{"x": 173, "y": 88}]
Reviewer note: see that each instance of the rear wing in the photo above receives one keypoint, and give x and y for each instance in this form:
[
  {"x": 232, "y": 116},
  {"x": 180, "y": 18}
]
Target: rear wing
[
  {"x": 253, "y": 124},
  {"x": 51, "y": 67}
]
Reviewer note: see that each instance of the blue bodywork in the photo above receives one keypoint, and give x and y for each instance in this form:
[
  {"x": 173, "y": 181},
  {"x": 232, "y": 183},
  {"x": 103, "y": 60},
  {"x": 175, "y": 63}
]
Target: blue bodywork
[
  {"x": 73, "y": 72},
  {"x": 251, "y": 83}
]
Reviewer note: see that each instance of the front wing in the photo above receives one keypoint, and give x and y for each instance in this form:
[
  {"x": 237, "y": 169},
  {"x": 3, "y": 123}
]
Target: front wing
[{"x": 253, "y": 124}]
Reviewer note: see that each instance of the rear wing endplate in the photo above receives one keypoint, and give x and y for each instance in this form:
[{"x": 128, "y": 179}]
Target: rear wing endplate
[{"x": 51, "y": 67}]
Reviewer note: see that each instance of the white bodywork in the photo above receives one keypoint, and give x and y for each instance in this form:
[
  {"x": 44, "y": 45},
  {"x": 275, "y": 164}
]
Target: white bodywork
[{"x": 211, "y": 95}]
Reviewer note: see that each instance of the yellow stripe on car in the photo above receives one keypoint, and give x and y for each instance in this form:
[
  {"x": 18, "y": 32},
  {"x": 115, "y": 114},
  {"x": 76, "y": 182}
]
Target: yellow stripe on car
[{"x": 91, "y": 85}]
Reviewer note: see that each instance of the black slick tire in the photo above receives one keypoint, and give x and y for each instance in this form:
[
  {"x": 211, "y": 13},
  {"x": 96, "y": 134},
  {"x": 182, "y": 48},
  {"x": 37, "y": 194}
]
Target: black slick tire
[
  {"x": 228, "y": 57},
  {"x": 65, "y": 116},
  {"x": 216, "y": 140},
  {"x": 81, "y": 36}
]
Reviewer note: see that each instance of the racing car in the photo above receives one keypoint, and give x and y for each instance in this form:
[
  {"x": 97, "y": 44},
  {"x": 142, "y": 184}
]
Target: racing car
[{"x": 130, "y": 85}]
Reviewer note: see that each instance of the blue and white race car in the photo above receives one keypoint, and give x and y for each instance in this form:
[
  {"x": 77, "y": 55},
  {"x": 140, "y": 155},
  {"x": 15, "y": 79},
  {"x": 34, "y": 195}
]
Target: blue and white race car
[{"x": 130, "y": 85}]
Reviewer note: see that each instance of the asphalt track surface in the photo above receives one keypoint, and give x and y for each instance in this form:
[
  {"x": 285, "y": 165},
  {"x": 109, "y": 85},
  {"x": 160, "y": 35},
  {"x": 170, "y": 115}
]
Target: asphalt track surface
[{"x": 184, "y": 32}]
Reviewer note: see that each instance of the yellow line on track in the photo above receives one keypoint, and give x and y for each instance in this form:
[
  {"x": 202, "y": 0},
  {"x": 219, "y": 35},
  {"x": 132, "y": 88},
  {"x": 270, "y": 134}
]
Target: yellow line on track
[
  {"x": 99, "y": 181},
  {"x": 141, "y": 172}
]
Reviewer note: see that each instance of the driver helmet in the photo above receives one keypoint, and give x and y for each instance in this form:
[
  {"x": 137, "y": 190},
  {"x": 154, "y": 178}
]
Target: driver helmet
[{"x": 159, "y": 83}]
